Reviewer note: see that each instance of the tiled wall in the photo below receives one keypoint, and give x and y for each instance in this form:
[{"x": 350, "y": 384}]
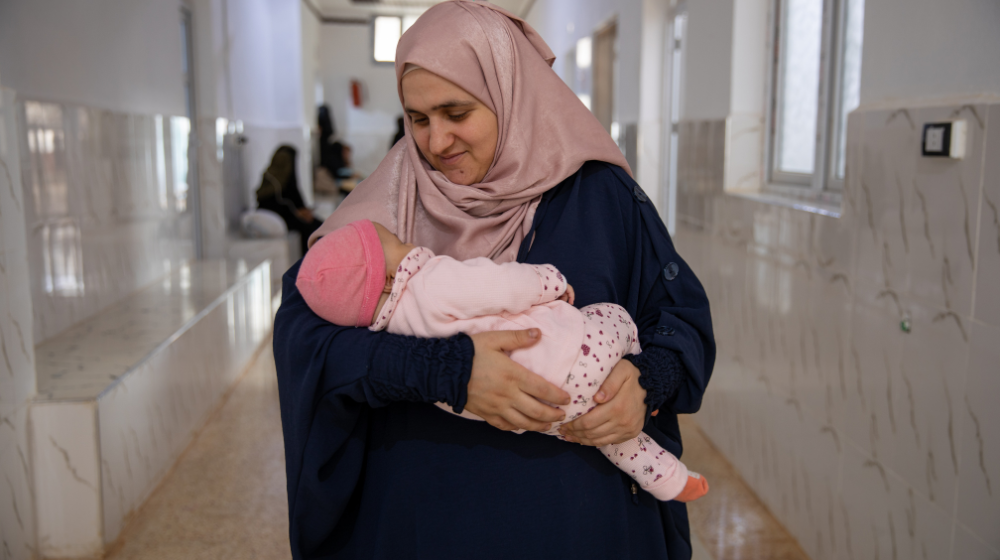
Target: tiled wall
[
  {"x": 858, "y": 375},
  {"x": 106, "y": 206},
  {"x": 17, "y": 356}
]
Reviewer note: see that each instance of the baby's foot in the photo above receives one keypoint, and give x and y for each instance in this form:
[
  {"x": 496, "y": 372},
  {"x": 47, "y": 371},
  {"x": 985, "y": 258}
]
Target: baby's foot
[{"x": 695, "y": 488}]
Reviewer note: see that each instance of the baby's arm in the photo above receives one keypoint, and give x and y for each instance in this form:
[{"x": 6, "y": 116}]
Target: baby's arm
[{"x": 477, "y": 287}]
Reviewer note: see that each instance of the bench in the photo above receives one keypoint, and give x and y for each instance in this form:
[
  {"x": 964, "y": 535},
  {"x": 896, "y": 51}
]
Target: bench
[{"x": 122, "y": 394}]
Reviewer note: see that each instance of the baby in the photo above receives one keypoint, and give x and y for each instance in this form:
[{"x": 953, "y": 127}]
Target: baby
[{"x": 363, "y": 275}]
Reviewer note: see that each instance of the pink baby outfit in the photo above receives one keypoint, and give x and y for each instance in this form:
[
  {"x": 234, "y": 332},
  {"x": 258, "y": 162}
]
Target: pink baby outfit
[{"x": 439, "y": 297}]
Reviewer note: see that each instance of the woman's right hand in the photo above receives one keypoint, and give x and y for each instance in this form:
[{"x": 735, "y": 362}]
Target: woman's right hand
[{"x": 505, "y": 393}]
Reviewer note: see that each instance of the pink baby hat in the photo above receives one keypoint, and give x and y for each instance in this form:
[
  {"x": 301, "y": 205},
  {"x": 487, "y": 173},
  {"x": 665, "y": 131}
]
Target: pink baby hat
[{"x": 343, "y": 275}]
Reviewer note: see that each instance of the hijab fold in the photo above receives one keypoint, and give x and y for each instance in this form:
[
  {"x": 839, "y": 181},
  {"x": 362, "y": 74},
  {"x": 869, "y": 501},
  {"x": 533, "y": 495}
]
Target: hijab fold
[{"x": 545, "y": 134}]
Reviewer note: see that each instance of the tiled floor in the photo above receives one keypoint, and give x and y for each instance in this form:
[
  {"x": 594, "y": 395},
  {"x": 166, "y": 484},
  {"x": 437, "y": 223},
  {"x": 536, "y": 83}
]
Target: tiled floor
[
  {"x": 730, "y": 522},
  {"x": 225, "y": 499}
]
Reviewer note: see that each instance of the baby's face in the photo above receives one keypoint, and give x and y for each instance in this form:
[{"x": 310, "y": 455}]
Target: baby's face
[{"x": 394, "y": 249}]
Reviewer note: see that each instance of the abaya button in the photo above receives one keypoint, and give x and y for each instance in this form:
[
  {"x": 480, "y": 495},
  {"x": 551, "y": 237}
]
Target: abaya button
[
  {"x": 670, "y": 271},
  {"x": 639, "y": 194}
]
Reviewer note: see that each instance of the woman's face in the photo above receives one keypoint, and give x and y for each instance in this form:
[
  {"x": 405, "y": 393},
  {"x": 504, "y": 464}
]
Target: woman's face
[{"x": 454, "y": 131}]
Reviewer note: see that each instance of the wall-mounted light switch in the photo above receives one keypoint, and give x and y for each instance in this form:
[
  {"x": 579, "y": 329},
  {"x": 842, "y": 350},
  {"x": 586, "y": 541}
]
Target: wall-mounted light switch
[{"x": 944, "y": 139}]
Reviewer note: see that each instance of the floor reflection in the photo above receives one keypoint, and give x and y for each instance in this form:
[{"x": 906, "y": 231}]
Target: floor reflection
[{"x": 731, "y": 522}]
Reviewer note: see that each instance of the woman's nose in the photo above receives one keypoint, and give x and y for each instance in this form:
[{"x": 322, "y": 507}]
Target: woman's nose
[{"x": 440, "y": 139}]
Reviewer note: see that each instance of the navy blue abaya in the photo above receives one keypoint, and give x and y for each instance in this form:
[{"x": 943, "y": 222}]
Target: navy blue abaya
[{"x": 376, "y": 471}]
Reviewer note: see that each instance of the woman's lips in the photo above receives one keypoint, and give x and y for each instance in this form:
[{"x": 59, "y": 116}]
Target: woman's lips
[{"x": 452, "y": 160}]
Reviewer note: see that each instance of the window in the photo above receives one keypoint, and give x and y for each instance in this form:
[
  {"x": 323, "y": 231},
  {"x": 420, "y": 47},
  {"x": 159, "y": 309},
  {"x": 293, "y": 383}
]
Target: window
[
  {"x": 812, "y": 92},
  {"x": 387, "y": 30}
]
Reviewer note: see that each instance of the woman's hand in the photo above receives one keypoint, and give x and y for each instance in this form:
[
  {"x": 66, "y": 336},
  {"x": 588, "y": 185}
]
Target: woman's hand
[
  {"x": 620, "y": 414},
  {"x": 569, "y": 296},
  {"x": 506, "y": 394}
]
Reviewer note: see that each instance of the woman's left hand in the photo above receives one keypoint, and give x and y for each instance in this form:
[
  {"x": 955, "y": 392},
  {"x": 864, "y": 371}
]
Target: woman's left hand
[{"x": 619, "y": 415}]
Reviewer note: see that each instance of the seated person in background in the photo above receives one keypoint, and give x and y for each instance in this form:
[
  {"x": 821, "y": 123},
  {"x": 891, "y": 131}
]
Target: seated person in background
[
  {"x": 346, "y": 177},
  {"x": 363, "y": 275},
  {"x": 279, "y": 193}
]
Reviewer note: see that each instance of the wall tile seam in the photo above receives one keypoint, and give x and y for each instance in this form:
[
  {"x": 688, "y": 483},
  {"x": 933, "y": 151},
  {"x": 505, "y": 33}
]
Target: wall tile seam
[{"x": 979, "y": 207}]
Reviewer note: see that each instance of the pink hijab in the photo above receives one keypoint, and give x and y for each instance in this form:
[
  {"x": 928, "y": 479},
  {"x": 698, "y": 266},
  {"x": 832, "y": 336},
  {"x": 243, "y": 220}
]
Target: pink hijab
[{"x": 545, "y": 135}]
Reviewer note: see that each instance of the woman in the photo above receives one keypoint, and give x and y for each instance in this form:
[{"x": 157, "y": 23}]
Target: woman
[
  {"x": 501, "y": 160},
  {"x": 279, "y": 193}
]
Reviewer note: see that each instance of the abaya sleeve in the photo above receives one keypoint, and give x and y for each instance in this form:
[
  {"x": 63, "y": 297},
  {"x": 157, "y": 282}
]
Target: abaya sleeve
[{"x": 329, "y": 380}]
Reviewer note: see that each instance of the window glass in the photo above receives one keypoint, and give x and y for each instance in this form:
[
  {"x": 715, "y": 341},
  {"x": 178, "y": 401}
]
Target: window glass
[
  {"x": 387, "y": 32},
  {"x": 850, "y": 80},
  {"x": 799, "y": 85}
]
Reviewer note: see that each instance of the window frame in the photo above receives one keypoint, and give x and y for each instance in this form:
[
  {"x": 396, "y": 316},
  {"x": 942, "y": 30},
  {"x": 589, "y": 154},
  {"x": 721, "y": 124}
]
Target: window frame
[{"x": 823, "y": 182}]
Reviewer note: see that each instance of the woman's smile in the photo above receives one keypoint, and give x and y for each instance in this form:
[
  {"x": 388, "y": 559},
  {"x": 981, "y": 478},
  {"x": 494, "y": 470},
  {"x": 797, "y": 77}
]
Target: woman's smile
[{"x": 452, "y": 160}]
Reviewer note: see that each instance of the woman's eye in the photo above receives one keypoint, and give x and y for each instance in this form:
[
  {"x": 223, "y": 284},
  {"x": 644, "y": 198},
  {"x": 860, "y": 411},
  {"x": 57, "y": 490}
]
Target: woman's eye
[
  {"x": 459, "y": 116},
  {"x": 421, "y": 120}
]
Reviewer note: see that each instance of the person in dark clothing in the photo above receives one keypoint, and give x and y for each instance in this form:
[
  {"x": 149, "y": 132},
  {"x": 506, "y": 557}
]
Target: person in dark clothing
[
  {"x": 400, "y": 132},
  {"x": 521, "y": 171},
  {"x": 331, "y": 152},
  {"x": 279, "y": 193}
]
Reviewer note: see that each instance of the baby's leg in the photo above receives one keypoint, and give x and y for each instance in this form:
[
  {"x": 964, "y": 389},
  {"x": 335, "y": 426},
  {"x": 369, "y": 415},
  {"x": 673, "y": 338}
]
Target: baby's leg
[
  {"x": 655, "y": 469},
  {"x": 610, "y": 334}
]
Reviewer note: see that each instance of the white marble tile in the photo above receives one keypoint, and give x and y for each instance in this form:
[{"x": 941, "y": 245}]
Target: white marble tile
[
  {"x": 214, "y": 228},
  {"x": 942, "y": 210},
  {"x": 85, "y": 359},
  {"x": 148, "y": 417},
  {"x": 17, "y": 530},
  {"x": 809, "y": 317},
  {"x": 871, "y": 374},
  {"x": 881, "y": 240},
  {"x": 17, "y": 375},
  {"x": 828, "y": 334},
  {"x": 67, "y": 479},
  {"x": 927, "y": 405},
  {"x": 884, "y": 517},
  {"x": 106, "y": 204},
  {"x": 744, "y": 170},
  {"x": 17, "y": 369},
  {"x": 17, "y": 508},
  {"x": 987, "y": 306},
  {"x": 979, "y": 484},
  {"x": 968, "y": 547},
  {"x": 212, "y": 317}
]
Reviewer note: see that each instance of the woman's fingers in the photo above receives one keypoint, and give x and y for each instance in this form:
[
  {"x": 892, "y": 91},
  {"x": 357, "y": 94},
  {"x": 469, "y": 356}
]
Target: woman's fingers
[
  {"x": 530, "y": 407},
  {"x": 536, "y": 386},
  {"x": 621, "y": 415},
  {"x": 508, "y": 341},
  {"x": 500, "y": 423},
  {"x": 618, "y": 376},
  {"x": 500, "y": 388},
  {"x": 523, "y": 422}
]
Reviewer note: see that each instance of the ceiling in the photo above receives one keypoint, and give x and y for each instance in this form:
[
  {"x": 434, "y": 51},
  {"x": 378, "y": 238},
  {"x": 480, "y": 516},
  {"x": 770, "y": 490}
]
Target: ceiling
[{"x": 354, "y": 9}]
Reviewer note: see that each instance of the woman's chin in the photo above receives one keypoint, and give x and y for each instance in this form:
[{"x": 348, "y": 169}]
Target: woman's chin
[{"x": 460, "y": 177}]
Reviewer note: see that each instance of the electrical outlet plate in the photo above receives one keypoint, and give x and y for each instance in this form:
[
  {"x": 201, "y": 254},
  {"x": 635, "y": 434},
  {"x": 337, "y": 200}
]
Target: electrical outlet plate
[{"x": 944, "y": 139}]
